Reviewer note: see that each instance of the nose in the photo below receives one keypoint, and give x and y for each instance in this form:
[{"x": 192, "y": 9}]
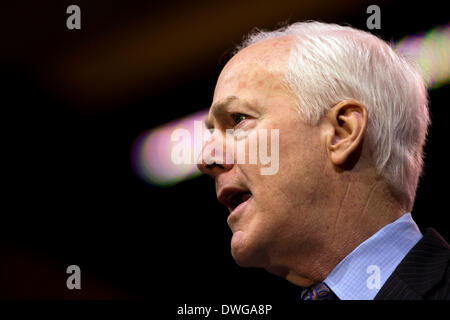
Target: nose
[{"x": 213, "y": 159}]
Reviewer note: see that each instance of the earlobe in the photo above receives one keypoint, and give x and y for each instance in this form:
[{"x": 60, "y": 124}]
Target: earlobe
[{"x": 348, "y": 120}]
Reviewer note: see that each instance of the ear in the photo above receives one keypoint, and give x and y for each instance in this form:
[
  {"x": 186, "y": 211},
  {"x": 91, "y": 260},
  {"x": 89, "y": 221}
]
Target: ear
[{"x": 346, "y": 124}]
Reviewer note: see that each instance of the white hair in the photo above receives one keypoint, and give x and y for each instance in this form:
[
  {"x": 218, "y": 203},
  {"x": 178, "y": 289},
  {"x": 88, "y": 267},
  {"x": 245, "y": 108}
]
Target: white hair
[{"x": 329, "y": 63}]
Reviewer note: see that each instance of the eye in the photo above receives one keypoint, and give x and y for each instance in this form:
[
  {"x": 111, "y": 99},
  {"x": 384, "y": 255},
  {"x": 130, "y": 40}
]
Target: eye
[{"x": 238, "y": 117}]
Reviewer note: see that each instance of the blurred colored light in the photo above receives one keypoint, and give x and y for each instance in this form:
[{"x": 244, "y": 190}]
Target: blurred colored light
[
  {"x": 431, "y": 52},
  {"x": 151, "y": 153}
]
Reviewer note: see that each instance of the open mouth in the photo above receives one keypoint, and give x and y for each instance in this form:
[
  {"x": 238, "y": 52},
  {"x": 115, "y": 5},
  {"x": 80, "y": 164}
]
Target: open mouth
[{"x": 232, "y": 197}]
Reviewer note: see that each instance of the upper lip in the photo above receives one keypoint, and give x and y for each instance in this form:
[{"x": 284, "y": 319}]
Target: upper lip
[{"x": 231, "y": 197}]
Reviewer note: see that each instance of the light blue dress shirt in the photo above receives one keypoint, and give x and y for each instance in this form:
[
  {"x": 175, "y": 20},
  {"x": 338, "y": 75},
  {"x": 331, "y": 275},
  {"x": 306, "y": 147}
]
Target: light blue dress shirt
[{"x": 361, "y": 274}]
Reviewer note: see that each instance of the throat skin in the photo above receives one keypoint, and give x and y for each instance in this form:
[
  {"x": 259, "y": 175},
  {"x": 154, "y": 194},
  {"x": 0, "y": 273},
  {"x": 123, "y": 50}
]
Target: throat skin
[{"x": 360, "y": 214}]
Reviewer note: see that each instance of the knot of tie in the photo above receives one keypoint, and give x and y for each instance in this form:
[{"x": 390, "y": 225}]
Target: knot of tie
[{"x": 319, "y": 291}]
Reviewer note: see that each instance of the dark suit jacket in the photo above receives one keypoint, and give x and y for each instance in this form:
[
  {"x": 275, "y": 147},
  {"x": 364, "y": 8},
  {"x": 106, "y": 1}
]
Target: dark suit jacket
[{"x": 424, "y": 273}]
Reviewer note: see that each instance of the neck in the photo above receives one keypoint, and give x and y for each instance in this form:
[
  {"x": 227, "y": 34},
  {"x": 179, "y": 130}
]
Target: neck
[{"x": 364, "y": 208}]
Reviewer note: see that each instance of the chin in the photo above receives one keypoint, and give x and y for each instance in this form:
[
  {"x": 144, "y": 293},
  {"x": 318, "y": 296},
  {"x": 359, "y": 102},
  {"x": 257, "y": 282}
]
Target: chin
[
  {"x": 243, "y": 259},
  {"x": 245, "y": 253}
]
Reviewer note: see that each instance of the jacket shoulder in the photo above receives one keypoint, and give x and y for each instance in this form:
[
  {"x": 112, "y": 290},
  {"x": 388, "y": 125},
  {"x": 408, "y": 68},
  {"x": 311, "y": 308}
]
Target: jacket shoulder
[{"x": 423, "y": 273}]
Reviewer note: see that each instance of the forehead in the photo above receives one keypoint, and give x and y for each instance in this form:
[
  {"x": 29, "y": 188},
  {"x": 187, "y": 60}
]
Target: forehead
[
  {"x": 260, "y": 67},
  {"x": 245, "y": 79},
  {"x": 269, "y": 55}
]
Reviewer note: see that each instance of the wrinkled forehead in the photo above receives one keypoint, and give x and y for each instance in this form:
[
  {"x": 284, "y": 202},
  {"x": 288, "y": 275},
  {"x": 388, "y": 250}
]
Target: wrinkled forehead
[
  {"x": 268, "y": 53},
  {"x": 260, "y": 65}
]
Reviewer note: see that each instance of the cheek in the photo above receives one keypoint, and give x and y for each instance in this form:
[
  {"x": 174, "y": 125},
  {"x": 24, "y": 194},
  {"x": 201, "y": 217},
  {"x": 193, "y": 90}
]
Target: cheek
[
  {"x": 301, "y": 154},
  {"x": 272, "y": 199},
  {"x": 295, "y": 185}
]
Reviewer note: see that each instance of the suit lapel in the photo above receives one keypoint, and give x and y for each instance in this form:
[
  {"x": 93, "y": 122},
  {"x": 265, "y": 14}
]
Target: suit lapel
[{"x": 420, "y": 271}]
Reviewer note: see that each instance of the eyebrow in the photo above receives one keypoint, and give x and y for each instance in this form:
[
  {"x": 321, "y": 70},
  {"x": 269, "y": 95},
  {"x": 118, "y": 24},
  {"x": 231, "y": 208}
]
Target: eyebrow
[{"x": 219, "y": 104}]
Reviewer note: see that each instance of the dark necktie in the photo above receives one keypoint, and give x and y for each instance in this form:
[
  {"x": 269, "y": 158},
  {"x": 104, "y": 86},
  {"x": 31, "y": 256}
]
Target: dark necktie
[{"x": 319, "y": 291}]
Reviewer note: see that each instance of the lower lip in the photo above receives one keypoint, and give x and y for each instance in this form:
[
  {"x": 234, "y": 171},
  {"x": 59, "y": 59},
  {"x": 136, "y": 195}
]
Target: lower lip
[{"x": 239, "y": 208}]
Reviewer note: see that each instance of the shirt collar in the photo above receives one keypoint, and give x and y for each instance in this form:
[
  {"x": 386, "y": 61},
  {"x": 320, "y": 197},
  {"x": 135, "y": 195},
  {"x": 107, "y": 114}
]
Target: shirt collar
[{"x": 361, "y": 274}]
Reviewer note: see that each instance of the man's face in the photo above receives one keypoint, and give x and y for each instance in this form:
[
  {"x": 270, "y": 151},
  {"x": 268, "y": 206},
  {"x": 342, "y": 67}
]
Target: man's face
[{"x": 272, "y": 216}]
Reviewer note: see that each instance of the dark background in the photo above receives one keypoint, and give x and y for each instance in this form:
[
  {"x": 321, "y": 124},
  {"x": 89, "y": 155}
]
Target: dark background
[{"x": 73, "y": 103}]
